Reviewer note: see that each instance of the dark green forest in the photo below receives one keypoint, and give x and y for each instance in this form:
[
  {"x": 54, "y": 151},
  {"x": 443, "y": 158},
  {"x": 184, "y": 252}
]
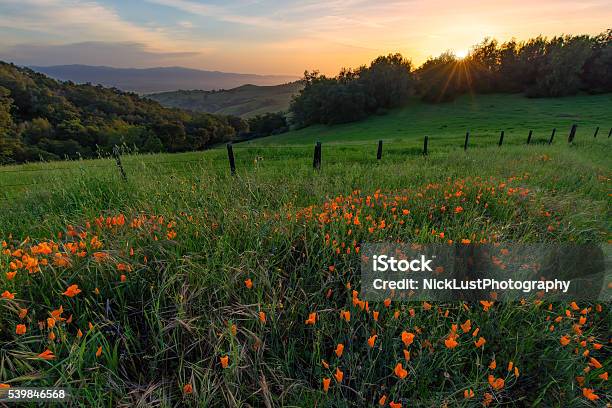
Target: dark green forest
[
  {"x": 45, "y": 119},
  {"x": 539, "y": 67}
]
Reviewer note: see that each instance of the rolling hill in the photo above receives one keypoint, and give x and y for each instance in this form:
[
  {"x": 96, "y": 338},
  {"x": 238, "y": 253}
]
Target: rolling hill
[
  {"x": 159, "y": 79},
  {"x": 483, "y": 115},
  {"x": 246, "y": 101}
]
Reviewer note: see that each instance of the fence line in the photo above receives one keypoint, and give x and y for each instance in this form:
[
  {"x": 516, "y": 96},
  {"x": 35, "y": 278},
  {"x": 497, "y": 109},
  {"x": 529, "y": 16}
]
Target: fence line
[{"x": 317, "y": 158}]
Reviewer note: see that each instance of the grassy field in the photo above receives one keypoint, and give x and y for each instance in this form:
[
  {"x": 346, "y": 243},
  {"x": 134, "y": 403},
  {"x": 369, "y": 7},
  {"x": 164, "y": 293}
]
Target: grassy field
[
  {"x": 484, "y": 115},
  {"x": 199, "y": 287}
]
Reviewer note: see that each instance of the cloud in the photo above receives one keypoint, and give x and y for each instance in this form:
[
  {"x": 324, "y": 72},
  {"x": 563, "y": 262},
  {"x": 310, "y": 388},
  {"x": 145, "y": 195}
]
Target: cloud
[
  {"x": 118, "y": 54},
  {"x": 218, "y": 13},
  {"x": 66, "y": 20}
]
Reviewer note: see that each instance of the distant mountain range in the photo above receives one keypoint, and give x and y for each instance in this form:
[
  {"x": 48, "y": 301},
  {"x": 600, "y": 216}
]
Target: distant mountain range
[
  {"x": 245, "y": 101},
  {"x": 162, "y": 79}
]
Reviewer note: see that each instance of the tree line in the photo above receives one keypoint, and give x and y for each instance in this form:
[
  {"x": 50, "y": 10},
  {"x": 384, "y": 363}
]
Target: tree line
[{"x": 538, "y": 67}]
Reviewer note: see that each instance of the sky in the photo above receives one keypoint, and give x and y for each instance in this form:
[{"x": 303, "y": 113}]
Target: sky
[{"x": 274, "y": 37}]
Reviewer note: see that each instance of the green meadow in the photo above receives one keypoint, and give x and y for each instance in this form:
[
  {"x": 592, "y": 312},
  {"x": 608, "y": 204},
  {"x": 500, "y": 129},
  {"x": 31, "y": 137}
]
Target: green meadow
[
  {"x": 174, "y": 322},
  {"x": 483, "y": 115}
]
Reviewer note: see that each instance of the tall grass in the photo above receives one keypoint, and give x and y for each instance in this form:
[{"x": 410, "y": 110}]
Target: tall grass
[{"x": 183, "y": 303}]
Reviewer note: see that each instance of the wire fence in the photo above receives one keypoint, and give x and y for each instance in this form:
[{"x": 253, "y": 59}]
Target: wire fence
[{"x": 132, "y": 162}]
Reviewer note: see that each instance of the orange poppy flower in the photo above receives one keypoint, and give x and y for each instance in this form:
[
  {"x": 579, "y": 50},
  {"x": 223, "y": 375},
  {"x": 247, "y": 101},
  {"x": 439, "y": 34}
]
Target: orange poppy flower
[
  {"x": 590, "y": 394},
  {"x": 326, "y": 382},
  {"x": 339, "y": 349},
  {"x": 481, "y": 342},
  {"x": 382, "y": 400},
  {"x": 224, "y": 361},
  {"x": 496, "y": 383},
  {"x": 393, "y": 404},
  {"x": 8, "y": 295},
  {"x": 20, "y": 329},
  {"x": 248, "y": 283},
  {"x": 99, "y": 351},
  {"x": 493, "y": 365},
  {"x": 262, "y": 317},
  {"x": 603, "y": 376},
  {"x": 486, "y": 305},
  {"x": 72, "y": 291},
  {"x": 46, "y": 355},
  {"x": 407, "y": 355},
  {"x": 467, "y": 326},
  {"x": 407, "y": 338},
  {"x": 23, "y": 313},
  {"x": 400, "y": 371},
  {"x": 593, "y": 361},
  {"x": 450, "y": 342},
  {"x": 10, "y": 275},
  {"x": 375, "y": 315},
  {"x": 372, "y": 340},
  {"x": 100, "y": 256},
  {"x": 467, "y": 394},
  {"x": 339, "y": 375},
  {"x": 312, "y": 318},
  {"x": 187, "y": 388},
  {"x": 564, "y": 340}
]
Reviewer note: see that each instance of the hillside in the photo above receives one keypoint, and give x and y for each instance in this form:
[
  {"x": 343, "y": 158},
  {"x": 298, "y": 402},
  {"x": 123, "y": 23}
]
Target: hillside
[
  {"x": 246, "y": 101},
  {"x": 41, "y": 118},
  {"x": 484, "y": 115},
  {"x": 159, "y": 79}
]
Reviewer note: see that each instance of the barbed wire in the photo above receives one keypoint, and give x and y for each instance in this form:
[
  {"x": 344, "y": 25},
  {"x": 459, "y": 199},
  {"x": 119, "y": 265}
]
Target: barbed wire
[{"x": 218, "y": 162}]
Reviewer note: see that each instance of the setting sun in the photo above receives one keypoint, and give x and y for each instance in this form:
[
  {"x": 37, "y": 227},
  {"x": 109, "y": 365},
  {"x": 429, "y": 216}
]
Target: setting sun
[{"x": 461, "y": 54}]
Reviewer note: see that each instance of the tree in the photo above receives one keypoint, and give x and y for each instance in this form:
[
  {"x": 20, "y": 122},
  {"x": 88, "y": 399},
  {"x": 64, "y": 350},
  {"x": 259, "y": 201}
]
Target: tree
[
  {"x": 353, "y": 94},
  {"x": 597, "y": 71},
  {"x": 268, "y": 124},
  {"x": 560, "y": 72},
  {"x": 441, "y": 79}
]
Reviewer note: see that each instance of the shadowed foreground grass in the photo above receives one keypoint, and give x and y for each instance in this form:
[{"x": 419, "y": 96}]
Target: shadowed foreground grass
[{"x": 199, "y": 288}]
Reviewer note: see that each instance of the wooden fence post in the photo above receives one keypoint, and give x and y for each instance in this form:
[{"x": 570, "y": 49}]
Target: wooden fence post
[
  {"x": 529, "y": 136},
  {"x": 117, "y": 156},
  {"x": 596, "y": 131},
  {"x": 316, "y": 162},
  {"x": 379, "y": 151},
  {"x": 572, "y": 133},
  {"x": 467, "y": 138},
  {"x": 501, "y": 139},
  {"x": 230, "y": 157},
  {"x": 552, "y": 136},
  {"x": 425, "y": 141}
]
